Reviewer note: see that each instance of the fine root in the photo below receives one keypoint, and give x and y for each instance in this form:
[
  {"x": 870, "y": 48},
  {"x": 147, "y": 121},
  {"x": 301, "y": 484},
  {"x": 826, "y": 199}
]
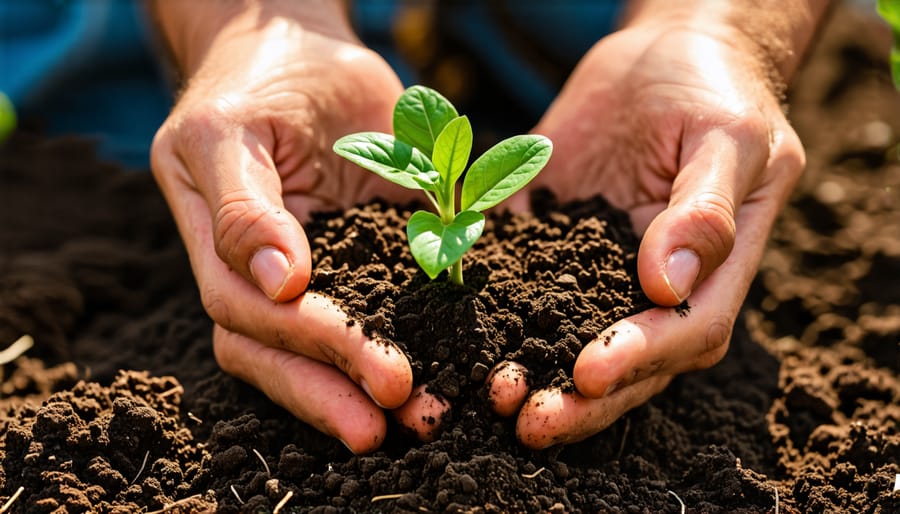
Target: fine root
[
  {"x": 264, "y": 463},
  {"x": 12, "y": 499},
  {"x": 15, "y": 350},
  {"x": 283, "y": 502},
  {"x": 143, "y": 465},
  {"x": 536, "y": 473},
  {"x": 679, "y": 500},
  {"x": 383, "y": 497}
]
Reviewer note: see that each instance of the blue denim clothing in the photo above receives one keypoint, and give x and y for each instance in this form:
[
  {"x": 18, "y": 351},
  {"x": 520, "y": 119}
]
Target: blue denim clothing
[
  {"x": 89, "y": 66},
  {"x": 85, "y": 67}
]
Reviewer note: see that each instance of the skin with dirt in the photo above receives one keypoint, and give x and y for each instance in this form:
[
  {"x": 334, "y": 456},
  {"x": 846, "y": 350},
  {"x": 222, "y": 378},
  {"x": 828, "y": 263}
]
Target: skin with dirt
[{"x": 120, "y": 406}]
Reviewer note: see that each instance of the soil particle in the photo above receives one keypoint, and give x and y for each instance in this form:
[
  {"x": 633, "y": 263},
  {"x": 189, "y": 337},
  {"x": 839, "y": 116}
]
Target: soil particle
[{"x": 120, "y": 407}]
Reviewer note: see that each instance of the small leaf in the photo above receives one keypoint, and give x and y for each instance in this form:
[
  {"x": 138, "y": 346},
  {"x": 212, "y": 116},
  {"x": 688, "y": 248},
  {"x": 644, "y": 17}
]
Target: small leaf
[
  {"x": 890, "y": 11},
  {"x": 420, "y": 115},
  {"x": 452, "y": 149},
  {"x": 436, "y": 246},
  {"x": 389, "y": 158},
  {"x": 503, "y": 170}
]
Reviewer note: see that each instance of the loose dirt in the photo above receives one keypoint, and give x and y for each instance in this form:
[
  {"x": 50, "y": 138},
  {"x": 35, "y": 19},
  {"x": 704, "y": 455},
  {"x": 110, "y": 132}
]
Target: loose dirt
[{"x": 120, "y": 407}]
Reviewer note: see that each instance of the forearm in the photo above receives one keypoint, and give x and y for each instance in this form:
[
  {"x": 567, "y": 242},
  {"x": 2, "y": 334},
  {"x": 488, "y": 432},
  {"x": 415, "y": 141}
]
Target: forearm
[
  {"x": 776, "y": 32},
  {"x": 192, "y": 28}
]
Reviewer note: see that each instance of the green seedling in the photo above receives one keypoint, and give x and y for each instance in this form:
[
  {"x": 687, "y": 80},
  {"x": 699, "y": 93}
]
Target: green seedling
[
  {"x": 7, "y": 117},
  {"x": 430, "y": 151},
  {"x": 890, "y": 11}
]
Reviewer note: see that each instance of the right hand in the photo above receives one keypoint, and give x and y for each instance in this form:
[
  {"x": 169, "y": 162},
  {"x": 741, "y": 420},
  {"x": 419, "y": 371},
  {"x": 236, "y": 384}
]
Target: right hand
[{"x": 244, "y": 155}]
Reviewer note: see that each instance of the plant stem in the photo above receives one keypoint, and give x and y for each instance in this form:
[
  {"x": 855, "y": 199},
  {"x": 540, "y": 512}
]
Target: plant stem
[
  {"x": 446, "y": 200},
  {"x": 456, "y": 272}
]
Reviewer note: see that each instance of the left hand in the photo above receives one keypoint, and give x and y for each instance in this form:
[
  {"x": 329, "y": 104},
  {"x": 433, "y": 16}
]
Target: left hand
[{"x": 679, "y": 128}]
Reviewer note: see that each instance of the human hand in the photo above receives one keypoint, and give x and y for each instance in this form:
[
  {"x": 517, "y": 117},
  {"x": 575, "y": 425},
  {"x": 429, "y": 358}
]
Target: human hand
[
  {"x": 680, "y": 126},
  {"x": 244, "y": 155}
]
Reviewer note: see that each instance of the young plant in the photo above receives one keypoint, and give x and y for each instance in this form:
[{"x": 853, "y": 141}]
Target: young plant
[
  {"x": 890, "y": 11},
  {"x": 429, "y": 151}
]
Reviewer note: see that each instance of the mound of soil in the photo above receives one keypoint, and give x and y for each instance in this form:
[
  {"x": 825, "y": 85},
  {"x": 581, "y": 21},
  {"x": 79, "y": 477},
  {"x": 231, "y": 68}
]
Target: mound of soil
[{"x": 120, "y": 407}]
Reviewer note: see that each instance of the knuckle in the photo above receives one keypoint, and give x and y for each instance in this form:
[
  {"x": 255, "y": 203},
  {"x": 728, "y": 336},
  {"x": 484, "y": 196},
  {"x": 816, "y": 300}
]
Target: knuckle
[
  {"x": 338, "y": 360},
  {"x": 164, "y": 164},
  {"x": 718, "y": 334},
  {"x": 205, "y": 122},
  {"x": 716, "y": 342},
  {"x": 751, "y": 124},
  {"x": 223, "y": 355},
  {"x": 215, "y": 306},
  {"x": 712, "y": 214},
  {"x": 237, "y": 215},
  {"x": 788, "y": 159}
]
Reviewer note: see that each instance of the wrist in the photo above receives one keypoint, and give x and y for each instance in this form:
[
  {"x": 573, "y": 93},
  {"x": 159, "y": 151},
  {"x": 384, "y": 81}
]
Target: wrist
[
  {"x": 773, "y": 34},
  {"x": 195, "y": 31}
]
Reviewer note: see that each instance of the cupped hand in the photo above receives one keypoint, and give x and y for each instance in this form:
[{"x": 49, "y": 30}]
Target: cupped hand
[
  {"x": 681, "y": 129},
  {"x": 242, "y": 159}
]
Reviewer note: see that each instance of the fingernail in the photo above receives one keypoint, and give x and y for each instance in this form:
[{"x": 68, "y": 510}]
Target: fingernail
[
  {"x": 347, "y": 446},
  {"x": 365, "y": 387},
  {"x": 271, "y": 269},
  {"x": 682, "y": 268}
]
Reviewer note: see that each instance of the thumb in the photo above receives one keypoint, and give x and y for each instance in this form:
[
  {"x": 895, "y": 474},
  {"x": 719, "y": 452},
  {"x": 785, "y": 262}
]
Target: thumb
[
  {"x": 253, "y": 232},
  {"x": 694, "y": 235}
]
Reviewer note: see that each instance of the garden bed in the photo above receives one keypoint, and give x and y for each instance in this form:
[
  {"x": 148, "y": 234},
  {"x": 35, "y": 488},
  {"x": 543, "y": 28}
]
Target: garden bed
[{"x": 119, "y": 406}]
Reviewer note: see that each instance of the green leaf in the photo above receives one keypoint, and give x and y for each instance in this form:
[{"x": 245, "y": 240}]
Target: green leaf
[
  {"x": 389, "y": 158},
  {"x": 7, "y": 117},
  {"x": 420, "y": 115},
  {"x": 452, "y": 149},
  {"x": 890, "y": 11},
  {"x": 436, "y": 246},
  {"x": 503, "y": 170}
]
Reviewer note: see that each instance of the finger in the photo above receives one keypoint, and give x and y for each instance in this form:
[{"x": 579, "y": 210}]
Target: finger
[
  {"x": 694, "y": 235},
  {"x": 312, "y": 391},
  {"x": 423, "y": 414},
  {"x": 507, "y": 387},
  {"x": 551, "y": 417},
  {"x": 663, "y": 341},
  {"x": 222, "y": 157},
  {"x": 309, "y": 325},
  {"x": 313, "y": 326}
]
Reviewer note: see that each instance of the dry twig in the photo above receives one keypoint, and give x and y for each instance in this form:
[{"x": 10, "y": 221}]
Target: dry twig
[
  {"x": 386, "y": 497},
  {"x": 536, "y": 473},
  {"x": 236, "y": 495},
  {"x": 143, "y": 465},
  {"x": 12, "y": 499},
  {"x": 263, "y": 460},
  {"x": 282, "y": 503},
  {"x": 679, "y": 500},
  {"x": 15, "y": 350}
]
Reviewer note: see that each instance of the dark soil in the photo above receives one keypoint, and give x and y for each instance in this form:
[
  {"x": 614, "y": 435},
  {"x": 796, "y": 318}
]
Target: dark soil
[{"x": 120, "y": 407}]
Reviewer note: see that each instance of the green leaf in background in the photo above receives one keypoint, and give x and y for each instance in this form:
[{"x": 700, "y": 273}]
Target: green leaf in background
[
  {"x": 890, "y": 11},
  {"x": 452, "y": 149},
  {"x": 7, "y": 117},
  {"x": 504, "y": 169},
  {"x": 389, "y": 158},
  {"x": 436, "y": 246},
  {"x": 419, "y": 117}
]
